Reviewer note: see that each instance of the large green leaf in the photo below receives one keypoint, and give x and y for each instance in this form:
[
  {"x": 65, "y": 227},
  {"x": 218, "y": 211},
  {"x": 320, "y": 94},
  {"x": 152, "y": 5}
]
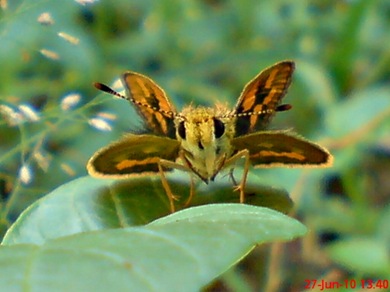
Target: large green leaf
[
  {"x": 88, "y": 204},
  {"x": 181, "y": 252}
]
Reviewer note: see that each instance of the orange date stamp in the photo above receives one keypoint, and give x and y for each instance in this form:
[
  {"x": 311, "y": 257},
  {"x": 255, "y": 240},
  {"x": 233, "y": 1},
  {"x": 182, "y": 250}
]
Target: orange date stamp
[{"x": 369, "y": 284}]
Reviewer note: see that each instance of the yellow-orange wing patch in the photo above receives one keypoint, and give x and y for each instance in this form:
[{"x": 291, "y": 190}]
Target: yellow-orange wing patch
[
  {"x": 261, "y": 96},
  {"x": 280, "y": 148},
  {"x": 133, "y": 155},
  {"x": 151, "y": 103}
]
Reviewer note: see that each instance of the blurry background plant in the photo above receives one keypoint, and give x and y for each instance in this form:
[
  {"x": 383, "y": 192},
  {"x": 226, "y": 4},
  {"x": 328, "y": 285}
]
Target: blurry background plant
[{"x": 52, "y": 119}]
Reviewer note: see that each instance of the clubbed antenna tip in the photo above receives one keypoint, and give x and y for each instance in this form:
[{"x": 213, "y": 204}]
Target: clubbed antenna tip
[
  {"x": 107, "y": 89},
  {"x": 283, "y": 107}
]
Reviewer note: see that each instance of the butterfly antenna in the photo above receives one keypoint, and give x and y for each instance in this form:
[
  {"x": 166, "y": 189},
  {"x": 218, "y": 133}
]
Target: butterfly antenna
[
  {"x": 283, "y": 107},
  {"x": 107, "y": 89},
  {"x": 180, "y": 116},
  {"x": 280, "y": 108}
]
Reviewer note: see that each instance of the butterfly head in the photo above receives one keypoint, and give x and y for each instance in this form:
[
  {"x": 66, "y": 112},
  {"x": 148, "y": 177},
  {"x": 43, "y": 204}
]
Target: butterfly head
[{"x": 205, "y": 140}]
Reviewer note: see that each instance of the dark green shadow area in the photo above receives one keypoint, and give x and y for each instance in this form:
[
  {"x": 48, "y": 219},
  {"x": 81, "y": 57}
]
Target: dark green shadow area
[{"x": 87, "y": 204}]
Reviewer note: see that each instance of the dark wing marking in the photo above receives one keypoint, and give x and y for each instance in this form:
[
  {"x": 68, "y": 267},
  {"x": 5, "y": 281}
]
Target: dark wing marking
[
  {"x": 261, "y": 97},
  {"x": 279, "y": 148},
  {"x": 151, "y": 103},
  {"x": 133, "y": 155}
]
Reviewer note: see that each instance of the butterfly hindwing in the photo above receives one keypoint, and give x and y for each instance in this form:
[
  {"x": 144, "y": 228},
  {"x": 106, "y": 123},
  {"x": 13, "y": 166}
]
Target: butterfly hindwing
[
  {"x": 262, "y": 94},
  {"x": 280, "y": 148},
  {"x": 133, "y": 155},
  {"x": 159, "y": 113}
]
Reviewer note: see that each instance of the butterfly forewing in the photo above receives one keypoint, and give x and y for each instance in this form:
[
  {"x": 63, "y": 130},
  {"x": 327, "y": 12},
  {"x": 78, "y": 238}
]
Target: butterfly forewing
[
  {"x": 133, "y": 155},
  {"x": 279, "y": 148},
  {"x": 159, "y": 113},
  {"x": 262, "y": 94}
]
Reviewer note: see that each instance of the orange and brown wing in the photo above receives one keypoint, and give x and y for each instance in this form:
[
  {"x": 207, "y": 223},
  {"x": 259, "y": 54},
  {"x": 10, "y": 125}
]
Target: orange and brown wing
[
  {"x": 133, "y": 155},
  {"x": 261, "y": 97},
  {"x": 151, "y": 103},
  {"x": 279, "y": 148}
]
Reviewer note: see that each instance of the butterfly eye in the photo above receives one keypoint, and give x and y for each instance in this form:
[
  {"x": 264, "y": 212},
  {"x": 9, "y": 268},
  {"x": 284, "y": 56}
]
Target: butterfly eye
[
  {"x": 219, "y": 128},
  {"x": 182, "y": 130}
]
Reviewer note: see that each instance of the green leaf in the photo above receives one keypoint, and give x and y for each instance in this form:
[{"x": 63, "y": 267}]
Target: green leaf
[
  {"x": 186, "y": 249},
  {"x": 87, "y": 204},
  {"x": 363, "y": 255}
]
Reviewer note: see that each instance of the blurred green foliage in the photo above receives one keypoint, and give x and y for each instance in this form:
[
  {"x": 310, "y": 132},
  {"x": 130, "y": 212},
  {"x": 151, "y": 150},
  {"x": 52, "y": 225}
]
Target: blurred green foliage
[{"x": 202, "y": 51}]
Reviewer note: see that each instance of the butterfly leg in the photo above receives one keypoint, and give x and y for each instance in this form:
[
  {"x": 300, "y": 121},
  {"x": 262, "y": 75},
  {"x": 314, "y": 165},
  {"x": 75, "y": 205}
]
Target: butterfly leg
[
  {"x": 192, "y": 192},
  {"x": 167, "y": 188},
  {"x": 241, "y": 187},
  {"x": 231, "y": 176},
  {"x": 171, "y": 196}
]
